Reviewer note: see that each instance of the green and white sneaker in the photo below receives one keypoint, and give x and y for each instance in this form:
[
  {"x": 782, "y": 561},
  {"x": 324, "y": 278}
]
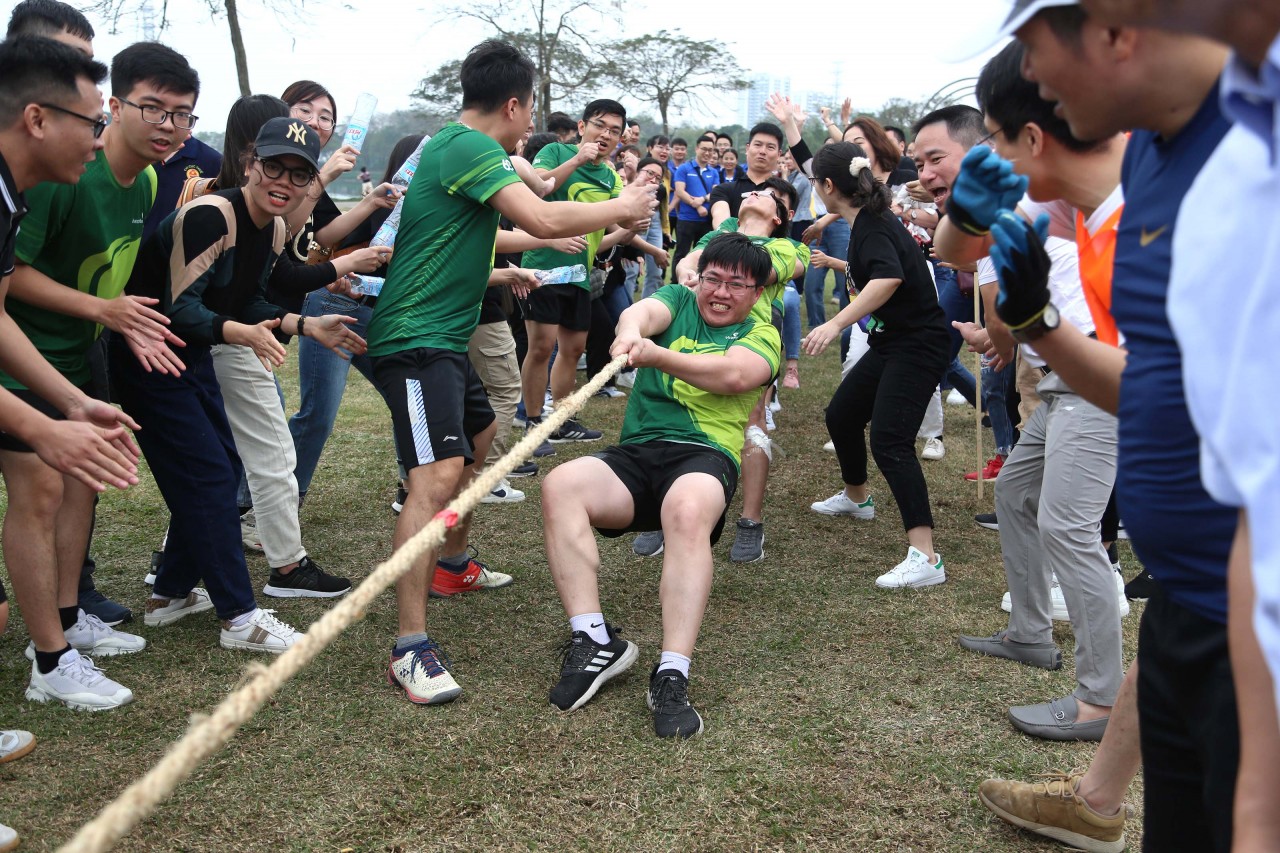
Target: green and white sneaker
[
  {"x": 914, "y": 572},
  {"x": 842, "y": 504}
]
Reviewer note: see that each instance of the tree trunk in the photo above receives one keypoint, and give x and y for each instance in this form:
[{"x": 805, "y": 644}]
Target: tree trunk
[
  {"x": 663, "y": 103},
  {"x": 237, "y": 47},
  {"x": 544, "y": 100}
]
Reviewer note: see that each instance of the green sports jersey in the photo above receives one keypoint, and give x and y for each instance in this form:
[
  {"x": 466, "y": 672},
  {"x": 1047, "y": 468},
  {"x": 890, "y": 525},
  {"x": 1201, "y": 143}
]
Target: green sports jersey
[
  {"x": 588, "y": 183},
  {"x": 444, "y": 248},
  {"x": 663, "y": 408},
  {"x": 783, "y": 252},
  {"x": 84, "y": 235}
]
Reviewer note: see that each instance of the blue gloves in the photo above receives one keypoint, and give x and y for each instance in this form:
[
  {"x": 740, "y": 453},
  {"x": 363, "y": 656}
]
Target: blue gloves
[
  {"x": 1022, "y": 266},
  {"x": 985, "y": 186}
]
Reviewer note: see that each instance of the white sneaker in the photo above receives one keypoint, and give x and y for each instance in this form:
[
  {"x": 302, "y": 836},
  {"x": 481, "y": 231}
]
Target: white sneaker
[
  {"x": 91, "y": 636},
  {"x": 78, "y": 684},
  {"x": 625, "y": 379},
  {"x": 8, "y": 839},
  {"x": 933, "y": 449},
  {"x": 15, "y": 743},
  {"x": 249, "y": 531},
  {"x": 582, "y": 361},
  {"x": 166, "y": 611},
  {"x": 830, "y": 447},
  {"x": 955, "y": 398},
  {"x": 775, "y": 405},
  {"x": 914, "y": 572},
  {"x": 842, "y": 504},
  {"x": 504, "y": 494},
  {"x": 422, "y": 672},
  {"x": 263, "y": 632},
  {"x": 769, "y": 424},
  {"x": 1059, "y": 603}
]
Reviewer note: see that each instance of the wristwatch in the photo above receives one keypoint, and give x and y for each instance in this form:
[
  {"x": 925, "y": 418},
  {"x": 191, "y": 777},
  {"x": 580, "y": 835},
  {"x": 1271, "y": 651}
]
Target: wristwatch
[{"x": 1044, "y": 323}]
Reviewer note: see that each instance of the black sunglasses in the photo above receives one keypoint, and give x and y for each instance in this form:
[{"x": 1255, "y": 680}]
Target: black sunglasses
[{"x": 99, "y": 124}]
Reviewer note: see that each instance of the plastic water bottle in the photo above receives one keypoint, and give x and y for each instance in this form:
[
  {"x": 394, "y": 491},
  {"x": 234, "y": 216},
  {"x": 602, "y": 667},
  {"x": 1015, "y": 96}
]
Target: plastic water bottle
[
  {"x": 404, "y": 174},
  {"x": 562, "y": 275},
  {"x": 386, "y": 235},
  {"x": 366, "y": 285},
  {"x": 358, "y": 125}
]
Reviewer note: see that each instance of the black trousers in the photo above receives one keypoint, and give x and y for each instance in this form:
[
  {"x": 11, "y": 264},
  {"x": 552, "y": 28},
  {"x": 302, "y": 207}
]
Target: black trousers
[
  {"x": 1190, "y": 733},
  {"x": 688, "y": 233},
  {"x": 889, "y": 388}
]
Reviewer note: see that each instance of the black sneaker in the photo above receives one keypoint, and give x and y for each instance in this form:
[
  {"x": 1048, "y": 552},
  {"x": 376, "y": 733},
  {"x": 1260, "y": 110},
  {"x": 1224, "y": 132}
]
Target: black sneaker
[
  {"x": 95, "y": 603},
  {"x": 585, "y": 666},
  {"x": 1141, "y": 587},
  {"x": 668, "y": 699},
  {"x": 571, "y": 430},
  {"x": 528, "y": 469},
  {"x": 398, "y": 503},
  {"x": 306, "y": 581},
  {"x": 544, "y": 449},
  {"x": 987, "y": 520}
]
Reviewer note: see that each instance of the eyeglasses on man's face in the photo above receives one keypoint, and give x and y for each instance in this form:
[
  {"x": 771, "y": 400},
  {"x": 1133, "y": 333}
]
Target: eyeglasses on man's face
[
  {"x": 99, "y": 123},
  {"x": 152, "y": 114},
  {"x": 714, "y": 283},
  {"x": 605, "y": 129}
]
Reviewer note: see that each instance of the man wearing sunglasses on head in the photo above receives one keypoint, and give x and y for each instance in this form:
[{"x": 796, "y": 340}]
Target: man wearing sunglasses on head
[{"x": 703, "y": 356}]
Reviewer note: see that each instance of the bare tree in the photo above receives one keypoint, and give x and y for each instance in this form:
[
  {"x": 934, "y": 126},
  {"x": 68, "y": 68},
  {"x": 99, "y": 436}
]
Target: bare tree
[
  {"x": 559, "y": 36},
  {"x": 155, "y": 21},
  {"x": 672, "y": 70}
]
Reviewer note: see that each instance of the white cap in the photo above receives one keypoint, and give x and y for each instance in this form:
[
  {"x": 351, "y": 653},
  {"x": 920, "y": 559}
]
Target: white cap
[{"x": 1022, "y": 11}]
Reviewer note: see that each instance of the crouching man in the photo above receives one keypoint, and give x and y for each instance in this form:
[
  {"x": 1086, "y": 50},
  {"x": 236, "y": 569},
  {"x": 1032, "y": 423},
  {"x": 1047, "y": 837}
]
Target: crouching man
[{"x": 703, "y": 359}]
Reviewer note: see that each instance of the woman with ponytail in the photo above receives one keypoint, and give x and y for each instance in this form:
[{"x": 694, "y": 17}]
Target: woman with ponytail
[{"x": 893, "y": 298}]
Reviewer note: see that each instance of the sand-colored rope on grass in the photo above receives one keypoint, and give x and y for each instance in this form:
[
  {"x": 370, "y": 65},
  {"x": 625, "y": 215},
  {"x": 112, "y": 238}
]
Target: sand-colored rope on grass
[{"x": 210, "y": 733}]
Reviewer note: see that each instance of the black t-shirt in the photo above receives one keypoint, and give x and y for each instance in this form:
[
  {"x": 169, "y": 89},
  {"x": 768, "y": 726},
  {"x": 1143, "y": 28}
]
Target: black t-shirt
[
  {"x": 295, "y": 249},
  {"x": 12, "y": 208},
  {"x": 732, "y": 193},
  {"x": 879, "y": 247},
  {"x": 903, "y": 173},
  {"x": 499, "y": 303}
]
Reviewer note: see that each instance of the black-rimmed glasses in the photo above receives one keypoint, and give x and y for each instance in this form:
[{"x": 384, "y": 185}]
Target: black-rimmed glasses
[
  {"x": 152, "y": 114},
  {"x": 99, "y": 123},
  {"x": 273, "y": 169},
  {"x": 733, "y": 286}
]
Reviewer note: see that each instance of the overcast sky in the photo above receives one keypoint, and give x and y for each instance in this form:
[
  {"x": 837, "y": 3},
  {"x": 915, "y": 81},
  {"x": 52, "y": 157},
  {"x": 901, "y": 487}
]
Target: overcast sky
[{"x": 362, "y": 45}]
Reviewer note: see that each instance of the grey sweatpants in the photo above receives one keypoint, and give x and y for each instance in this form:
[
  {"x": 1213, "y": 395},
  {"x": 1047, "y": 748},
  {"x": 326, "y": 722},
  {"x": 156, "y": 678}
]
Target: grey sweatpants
[{"x": 1050, "y": 498}]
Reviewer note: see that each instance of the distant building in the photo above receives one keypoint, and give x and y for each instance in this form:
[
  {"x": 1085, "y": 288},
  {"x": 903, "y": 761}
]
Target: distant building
[{"x": 751, "y": 101}]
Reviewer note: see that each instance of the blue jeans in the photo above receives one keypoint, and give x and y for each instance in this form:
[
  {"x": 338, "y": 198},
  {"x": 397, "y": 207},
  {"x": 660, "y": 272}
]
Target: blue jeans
[
  {"x": 791, "y": 322},
  {"x": 322, "y": 380},
  {"x": 996, "y": 388},
  {"x": 835, "y": 243},
  {"x": 617, "y": 299},
  {"x": 959, "y": 308},
  {"x": 652, "y": 275}
]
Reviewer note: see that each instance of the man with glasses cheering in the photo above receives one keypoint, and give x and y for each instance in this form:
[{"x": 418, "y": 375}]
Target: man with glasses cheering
[
  {"x": 703, "y": 357},
  {"x": 74, "y": 256}
]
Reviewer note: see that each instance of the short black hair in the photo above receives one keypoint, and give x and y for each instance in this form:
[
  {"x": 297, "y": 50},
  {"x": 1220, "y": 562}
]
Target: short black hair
[
  {"x": 863, "y": 190},
  {"x": 605, "y": 107},
  {"x": 308, "y": 90},
  {"x": 720, "y": 136},
  {"x": 737, "y": 252},
  {"x": 964, "y": 124},
  {"x": 493, "y": 73},
  {"x": 897, "y": 133},
  {"x": 152, "y": 62},
  {"x": 48, "y": 18},
  {"x": 1013, "y": 102},
  {"x": 537, "y": 142},
  {"x": 40, "y": 70},
  {"x": 658, "y": 139},
  {"x": 558, "y": 122},
  {"x": 680, "y": 140},
  {"x": 632, "y": 123},
  {"x": 786, "y": 206},
  {"x": 769, "y": 129}
]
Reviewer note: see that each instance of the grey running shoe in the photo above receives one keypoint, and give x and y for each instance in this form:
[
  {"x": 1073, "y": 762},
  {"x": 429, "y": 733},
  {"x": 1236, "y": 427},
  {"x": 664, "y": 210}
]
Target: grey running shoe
[
  {"x": 648, "y": 544},
  {"x": 748, "y": 542}
]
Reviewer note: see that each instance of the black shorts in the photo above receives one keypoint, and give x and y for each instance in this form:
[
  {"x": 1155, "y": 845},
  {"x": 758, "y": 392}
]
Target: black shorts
[
  {"x": 564, "y": 305},
  {"x": 438, "y": 405},
  {"x": 31, "y": 398},
  {"x": 1190, "y": 733},
  {"x": 649, "y": 470}
]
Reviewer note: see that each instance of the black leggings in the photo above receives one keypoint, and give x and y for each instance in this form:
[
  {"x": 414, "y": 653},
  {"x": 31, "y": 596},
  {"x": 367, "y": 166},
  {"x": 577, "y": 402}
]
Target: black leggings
[{"x": 889, "y": 388}]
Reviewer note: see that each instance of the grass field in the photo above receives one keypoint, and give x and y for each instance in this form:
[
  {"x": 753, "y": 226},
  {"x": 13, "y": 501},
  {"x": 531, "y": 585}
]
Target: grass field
[{"x": 838, "y": 716}]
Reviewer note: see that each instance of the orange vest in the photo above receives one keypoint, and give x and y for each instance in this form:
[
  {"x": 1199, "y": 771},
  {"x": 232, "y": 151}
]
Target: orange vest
[{"x": 1097, "y": 254}]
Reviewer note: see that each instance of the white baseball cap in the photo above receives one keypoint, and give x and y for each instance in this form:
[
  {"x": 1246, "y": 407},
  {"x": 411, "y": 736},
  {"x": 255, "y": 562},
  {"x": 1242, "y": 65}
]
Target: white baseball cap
[{"x": 1021, "y": 12}]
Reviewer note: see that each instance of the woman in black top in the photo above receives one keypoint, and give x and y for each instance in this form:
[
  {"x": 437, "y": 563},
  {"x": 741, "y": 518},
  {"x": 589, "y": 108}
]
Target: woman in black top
[{"x": 889, "y": 388}]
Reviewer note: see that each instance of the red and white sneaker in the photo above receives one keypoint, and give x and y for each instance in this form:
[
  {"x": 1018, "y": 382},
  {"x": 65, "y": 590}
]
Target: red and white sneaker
[
  {"x": 990, "y": 472},
  {"x": 477, "y": 576}
]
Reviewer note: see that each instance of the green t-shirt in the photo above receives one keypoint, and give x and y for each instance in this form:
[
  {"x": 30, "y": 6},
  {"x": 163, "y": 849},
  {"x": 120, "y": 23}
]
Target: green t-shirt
[
  {"x": 444, "y": 248},
  {"x": 588, "y": 183},
  {"x": 783, "y": 252},
  {"x": 84, "y": 235},
  {"x": 663, "y": 408}
]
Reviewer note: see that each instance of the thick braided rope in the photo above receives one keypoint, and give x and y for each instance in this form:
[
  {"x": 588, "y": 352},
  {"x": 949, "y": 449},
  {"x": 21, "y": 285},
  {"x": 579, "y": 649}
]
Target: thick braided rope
[{"x": 210, "y": 733}]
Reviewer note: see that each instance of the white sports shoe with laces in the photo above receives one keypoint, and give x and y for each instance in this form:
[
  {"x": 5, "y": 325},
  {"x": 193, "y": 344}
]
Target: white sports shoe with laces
[
  {"x": 914, "y": 572},
  {"x": 78, "y": 684},
  {"x": 263, "y": 632}
]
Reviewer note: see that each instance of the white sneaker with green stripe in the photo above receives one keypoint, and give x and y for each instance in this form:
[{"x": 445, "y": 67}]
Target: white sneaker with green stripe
[{"x": 914, "y": 572}]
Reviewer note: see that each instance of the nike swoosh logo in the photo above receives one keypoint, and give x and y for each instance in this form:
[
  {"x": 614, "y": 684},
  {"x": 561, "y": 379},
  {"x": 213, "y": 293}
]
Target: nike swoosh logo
[
  {"x": 1147, "y": 238},
  {"x": 596, "y": 624}
]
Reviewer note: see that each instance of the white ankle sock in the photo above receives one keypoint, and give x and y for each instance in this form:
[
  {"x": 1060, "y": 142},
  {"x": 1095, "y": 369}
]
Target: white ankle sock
[
  {"x": 674, "y": 660},
  {"x": 243, "y": 618},
  {"x": 591, "y": 624}
]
